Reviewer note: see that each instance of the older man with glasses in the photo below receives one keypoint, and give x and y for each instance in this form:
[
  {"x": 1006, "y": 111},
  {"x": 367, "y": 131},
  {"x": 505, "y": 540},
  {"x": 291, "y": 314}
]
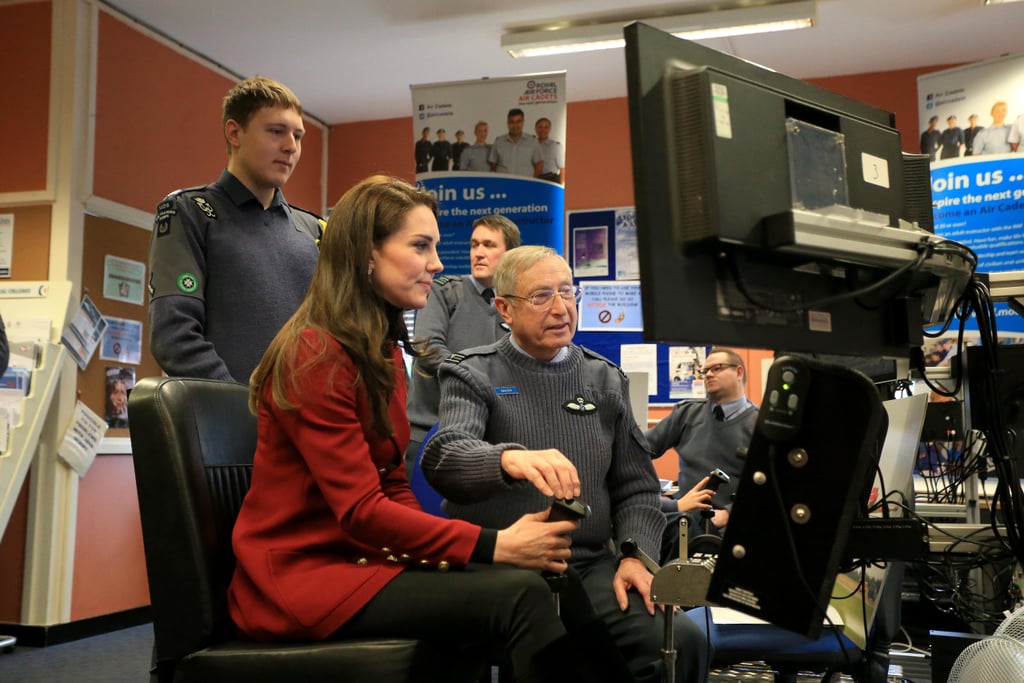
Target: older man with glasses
[
  {"x": 534, "y": 417},
  {"x": 707, "y": 434}
]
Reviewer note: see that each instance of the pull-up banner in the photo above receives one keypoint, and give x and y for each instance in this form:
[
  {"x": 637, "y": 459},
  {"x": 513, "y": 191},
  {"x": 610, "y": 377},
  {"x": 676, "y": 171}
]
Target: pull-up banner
[
  {"x": 971, "y": 119},
  {"x": 495, "y": 145}
]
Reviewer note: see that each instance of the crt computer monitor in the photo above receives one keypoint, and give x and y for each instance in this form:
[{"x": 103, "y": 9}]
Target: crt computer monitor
[{"x": 720, "y": 149}]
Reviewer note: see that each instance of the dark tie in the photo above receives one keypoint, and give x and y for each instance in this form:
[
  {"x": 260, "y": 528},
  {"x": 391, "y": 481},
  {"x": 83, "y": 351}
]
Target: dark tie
[
  {"x": 719, "y": 413},
  {"x": 488, "y": 295}
]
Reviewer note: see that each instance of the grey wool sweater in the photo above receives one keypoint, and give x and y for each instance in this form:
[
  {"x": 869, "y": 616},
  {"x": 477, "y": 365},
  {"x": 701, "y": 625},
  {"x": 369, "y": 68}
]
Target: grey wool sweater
[{"x": 496, "y": 398}]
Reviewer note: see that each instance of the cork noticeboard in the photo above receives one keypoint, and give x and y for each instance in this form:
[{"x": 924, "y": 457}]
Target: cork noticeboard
[{"x": 107, "y": 237}]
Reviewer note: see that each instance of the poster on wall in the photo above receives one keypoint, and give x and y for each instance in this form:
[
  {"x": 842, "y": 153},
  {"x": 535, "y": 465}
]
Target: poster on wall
[
  {"x": 971, "y": 121},
  {"x": 604, "y": 258},
  {"x": 119, "y": 381},
  {"x": 82, "y": 335},
  {"x": 493, "y": 146},
  {"x": 610, "y": 306},
  {"x": 590, "y": 251},
  {"x": 124, "y": 279},
  {"x": 122, "y": 341},
  {"x": 684, "y": 363},
  {"x": 6, "y": 243}
]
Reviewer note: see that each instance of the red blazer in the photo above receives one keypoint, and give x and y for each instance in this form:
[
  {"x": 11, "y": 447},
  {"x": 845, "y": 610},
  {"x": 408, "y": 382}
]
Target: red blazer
[{"x": 330, "y": 517}]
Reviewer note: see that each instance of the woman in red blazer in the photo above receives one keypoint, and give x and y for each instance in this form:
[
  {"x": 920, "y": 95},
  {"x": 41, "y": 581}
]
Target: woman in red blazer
[{"x": 330, "y": 540}]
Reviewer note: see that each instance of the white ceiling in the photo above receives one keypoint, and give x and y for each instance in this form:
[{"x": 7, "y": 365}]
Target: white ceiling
[{"x": 354, "y": 60}]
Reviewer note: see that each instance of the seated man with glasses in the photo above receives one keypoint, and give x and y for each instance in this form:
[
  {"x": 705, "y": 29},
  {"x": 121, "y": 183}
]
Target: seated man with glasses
[
  {"x": 706, "y": 434},
  {"x": 534, "y": 417}
]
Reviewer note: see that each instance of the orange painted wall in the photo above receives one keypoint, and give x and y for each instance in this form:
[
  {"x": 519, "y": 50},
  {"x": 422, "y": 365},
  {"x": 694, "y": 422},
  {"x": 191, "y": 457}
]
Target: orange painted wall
[
  {"x": 158, "y": 123},
  {"x": 12, "y": 559},
  {"x": 894, "y": 91},
  {"x": 359, "y": 150},
  {"x": 157, "y": 118},
  {"x": 109, "y": 560},
  {"x": 599, "y": 165},
  {"x": 25, "y": 64}
]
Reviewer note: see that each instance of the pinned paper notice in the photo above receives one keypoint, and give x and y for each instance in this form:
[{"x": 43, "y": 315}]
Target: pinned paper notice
[
  {"x": 82, "y": 439},
  {"x": 84, "y": 332}
]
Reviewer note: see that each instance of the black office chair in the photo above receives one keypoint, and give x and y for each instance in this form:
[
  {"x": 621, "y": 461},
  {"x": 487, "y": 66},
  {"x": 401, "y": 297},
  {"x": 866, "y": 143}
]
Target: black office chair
[{"x": 193, "y": 442}]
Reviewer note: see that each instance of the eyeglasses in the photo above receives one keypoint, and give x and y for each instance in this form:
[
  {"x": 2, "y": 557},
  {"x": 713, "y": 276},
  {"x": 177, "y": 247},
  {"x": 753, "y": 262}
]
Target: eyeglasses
[
  {"x": 717, "y": 368},
  {"x": 546, "y": 297}
]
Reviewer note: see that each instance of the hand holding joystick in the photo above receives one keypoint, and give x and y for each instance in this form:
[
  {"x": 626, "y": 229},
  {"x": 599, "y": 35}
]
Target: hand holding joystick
[{"x": 564, "y": 509}]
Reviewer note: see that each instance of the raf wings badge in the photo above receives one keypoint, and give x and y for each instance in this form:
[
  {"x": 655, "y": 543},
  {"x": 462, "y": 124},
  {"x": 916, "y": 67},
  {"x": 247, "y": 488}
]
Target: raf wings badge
[{"x": 579, "y": 406}]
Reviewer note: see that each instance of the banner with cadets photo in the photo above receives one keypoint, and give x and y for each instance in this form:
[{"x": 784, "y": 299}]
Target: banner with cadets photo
[
  {"x": 967, "y": 115},
  {"x": 516, "y": 126}
]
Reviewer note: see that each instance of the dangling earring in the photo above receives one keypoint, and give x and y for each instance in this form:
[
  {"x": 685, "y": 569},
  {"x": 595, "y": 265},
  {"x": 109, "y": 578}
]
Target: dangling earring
[{"x": 369, "y": 270}]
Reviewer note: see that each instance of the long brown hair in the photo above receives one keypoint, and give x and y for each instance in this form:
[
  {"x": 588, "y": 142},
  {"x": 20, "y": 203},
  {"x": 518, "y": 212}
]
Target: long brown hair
[{"x": 341, "y": 302}]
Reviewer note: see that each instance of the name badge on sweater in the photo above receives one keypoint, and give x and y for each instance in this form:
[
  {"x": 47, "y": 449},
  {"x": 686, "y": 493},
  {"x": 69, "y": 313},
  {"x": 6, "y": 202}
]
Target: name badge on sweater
[{"x": 506, "y": 391}]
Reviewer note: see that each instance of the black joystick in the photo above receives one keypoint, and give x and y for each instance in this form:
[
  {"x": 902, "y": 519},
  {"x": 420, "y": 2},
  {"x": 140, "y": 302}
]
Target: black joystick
[
  {"x": 568, "y": 508},
  {"x": 563, "y": 509},
  {"x": 716, "y": 478}
]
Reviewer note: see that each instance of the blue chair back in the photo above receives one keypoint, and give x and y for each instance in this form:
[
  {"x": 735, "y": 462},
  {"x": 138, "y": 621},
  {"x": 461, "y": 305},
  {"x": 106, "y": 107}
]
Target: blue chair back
[{"x": 430, "y": 500}]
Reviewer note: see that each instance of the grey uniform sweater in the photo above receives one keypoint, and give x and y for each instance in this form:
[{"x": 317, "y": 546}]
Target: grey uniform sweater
[
  {"x": 704, "y": 443},
  {"x": 496, "y": 398},
  {"x": 455, "y": 318}
]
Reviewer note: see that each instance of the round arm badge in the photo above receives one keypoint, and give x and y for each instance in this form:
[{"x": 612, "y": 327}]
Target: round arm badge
[{"x": 188, "y": 283}]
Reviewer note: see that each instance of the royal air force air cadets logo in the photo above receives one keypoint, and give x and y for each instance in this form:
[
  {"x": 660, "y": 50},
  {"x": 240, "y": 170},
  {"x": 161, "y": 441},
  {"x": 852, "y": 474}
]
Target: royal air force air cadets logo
[
  {"x": 579, "y": 406},
  {"x": 205, "y": 206}
]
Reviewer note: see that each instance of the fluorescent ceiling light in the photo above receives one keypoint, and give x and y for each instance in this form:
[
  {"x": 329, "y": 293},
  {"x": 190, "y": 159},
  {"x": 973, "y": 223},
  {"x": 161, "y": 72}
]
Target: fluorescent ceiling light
[{"x": 577, "y": 37}]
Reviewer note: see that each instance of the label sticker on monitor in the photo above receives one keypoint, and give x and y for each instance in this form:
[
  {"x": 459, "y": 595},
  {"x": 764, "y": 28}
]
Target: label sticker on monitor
[
  {"x": 875, "y": 170},
  {"x": 819, "y": 321},
  {"x": 720, "y": 104}
]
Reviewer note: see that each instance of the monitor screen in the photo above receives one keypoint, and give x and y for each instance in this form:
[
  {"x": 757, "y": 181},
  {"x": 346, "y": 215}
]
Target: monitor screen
[{"x": 766, "y": 206}]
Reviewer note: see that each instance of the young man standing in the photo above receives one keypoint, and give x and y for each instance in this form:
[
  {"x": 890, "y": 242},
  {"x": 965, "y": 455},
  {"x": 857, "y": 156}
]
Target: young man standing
[
  {"x": 230, "y": 261},
  {"x": 459, "y": 314}
]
